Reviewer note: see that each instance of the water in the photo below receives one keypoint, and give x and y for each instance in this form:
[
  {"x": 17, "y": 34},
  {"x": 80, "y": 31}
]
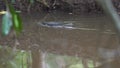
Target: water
[{"x": 60, "y": 40}]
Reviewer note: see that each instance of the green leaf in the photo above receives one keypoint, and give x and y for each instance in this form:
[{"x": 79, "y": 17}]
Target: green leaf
[
  {"x": 6, "y": 24},
  {"x": 12, "y": 1},
  {"x": 11, "y": 9},
  {"x": 11, "y": 19},
  {"x": 16, "y": 19},
  {"x": 31, "y": 1},
  {"x": 17, "y": 23}
]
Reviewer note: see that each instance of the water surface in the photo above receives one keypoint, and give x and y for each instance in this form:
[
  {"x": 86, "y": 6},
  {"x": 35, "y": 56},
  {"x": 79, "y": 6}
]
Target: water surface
[{"x": 93, "y": 39}]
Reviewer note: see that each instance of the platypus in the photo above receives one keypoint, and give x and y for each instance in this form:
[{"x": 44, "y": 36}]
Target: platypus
[{"x": 55, "y": 24}]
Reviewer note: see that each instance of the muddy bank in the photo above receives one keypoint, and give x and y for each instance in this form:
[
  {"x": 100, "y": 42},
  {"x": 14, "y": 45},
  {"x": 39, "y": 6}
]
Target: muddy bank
[{"x": 69, "y": 6}]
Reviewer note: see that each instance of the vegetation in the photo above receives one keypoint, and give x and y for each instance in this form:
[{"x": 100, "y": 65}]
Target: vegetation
[
  {"x": 11, "y": 58},
  {"x": 11, "y": 19}
]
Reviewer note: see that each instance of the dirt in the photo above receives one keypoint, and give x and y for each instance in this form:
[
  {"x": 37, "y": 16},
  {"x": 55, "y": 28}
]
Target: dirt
[{"x": 69, "y": 6}]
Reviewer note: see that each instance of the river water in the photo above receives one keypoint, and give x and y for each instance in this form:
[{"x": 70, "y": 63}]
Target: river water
[{"x": 61, "y": 40}]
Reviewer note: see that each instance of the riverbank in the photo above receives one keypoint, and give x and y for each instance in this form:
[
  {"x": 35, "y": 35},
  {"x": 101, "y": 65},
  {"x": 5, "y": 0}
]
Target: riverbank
[{"x": 69, "y": 6}]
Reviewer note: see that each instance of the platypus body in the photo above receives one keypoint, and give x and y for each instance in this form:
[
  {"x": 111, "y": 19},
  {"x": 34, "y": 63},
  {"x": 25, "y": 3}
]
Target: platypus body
[{"x": 57, "y": 25}]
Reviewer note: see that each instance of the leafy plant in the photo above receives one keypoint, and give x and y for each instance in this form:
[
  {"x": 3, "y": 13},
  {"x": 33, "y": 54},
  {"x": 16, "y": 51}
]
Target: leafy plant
[
  {"x": 6, "y": 23},
  {"x": 11, "y": 19},
  {"x": 10, "y": 58}
]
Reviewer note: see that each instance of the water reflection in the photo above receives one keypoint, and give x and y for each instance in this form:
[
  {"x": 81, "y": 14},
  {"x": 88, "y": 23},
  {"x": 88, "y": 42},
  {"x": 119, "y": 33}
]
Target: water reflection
[
  {"x": 64, "y": 61},
  {"x": 110, "y": 57},
  {"x": 25, "y": 59},
  {"x": 38, "y": 59}
]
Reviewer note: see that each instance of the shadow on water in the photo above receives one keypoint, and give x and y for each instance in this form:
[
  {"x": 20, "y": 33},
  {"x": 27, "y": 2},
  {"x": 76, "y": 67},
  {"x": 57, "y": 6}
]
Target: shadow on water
[{"x": 60, "y": 40}]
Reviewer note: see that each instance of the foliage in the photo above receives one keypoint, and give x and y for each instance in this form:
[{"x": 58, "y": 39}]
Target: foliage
[
  {"x": 11, "y": 19},
  {"x": 6, "y": 24},
  {"x": 11, "y": 58}
]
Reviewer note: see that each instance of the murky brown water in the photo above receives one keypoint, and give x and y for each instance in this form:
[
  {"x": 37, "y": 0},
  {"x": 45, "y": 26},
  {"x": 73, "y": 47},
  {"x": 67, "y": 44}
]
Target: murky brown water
[{"x": 94, "y": 39}]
